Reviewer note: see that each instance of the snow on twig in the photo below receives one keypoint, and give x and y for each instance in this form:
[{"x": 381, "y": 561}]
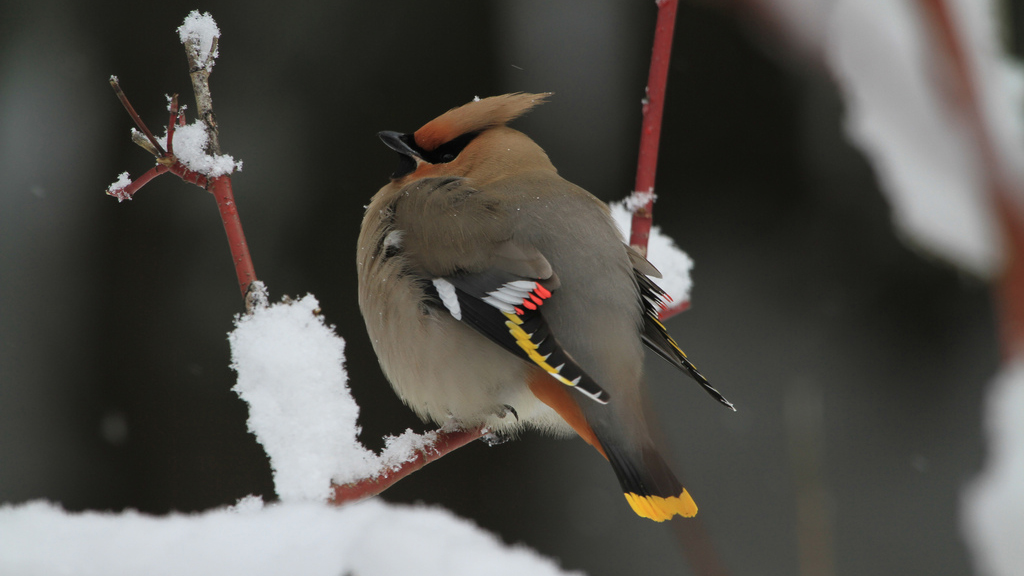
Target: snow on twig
[
  {"x": 291, "y": 373},
  {"x": 200, "y": 34}
]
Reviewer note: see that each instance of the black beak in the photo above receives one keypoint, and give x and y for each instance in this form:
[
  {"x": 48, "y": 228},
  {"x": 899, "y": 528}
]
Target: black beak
[
  {"x": 406, "y": 147},
  {"x": 401, "y": 143}
]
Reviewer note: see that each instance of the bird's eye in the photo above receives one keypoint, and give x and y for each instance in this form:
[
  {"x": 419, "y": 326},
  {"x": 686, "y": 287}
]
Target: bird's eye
[{"x": 450, "y": 150}]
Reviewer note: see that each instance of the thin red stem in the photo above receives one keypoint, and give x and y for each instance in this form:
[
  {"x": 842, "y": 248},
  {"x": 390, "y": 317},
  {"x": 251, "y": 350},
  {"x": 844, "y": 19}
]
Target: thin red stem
[
  {"x": 650, "y": 135},
  {"x": 149, "y": 175},
  {"x": 650, "y": 132},
  {"x": 179, "y": 170},
  {"x": 446, "y": 442},
  {"x": 221, "y": 189},
  {"x": 1010, "y": 290},
  {"x": 128, "y": 191}
]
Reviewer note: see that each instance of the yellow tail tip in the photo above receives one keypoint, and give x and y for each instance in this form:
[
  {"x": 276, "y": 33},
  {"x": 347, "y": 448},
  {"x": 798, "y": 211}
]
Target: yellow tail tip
[{"x": 659, "y": 509}]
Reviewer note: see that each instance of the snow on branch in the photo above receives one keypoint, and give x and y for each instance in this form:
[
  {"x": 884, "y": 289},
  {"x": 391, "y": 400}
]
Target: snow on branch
[
  {"x": 190, "y": 147},
  {"x": 200, "y": 34},
  {"x": 291, "y": 373}
]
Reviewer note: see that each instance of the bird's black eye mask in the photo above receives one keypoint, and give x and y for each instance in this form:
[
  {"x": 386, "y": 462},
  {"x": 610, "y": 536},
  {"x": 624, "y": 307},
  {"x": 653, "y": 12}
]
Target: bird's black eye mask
[
  {"x": 450, "y": 150},
  {"x": 408, "y": 150}
]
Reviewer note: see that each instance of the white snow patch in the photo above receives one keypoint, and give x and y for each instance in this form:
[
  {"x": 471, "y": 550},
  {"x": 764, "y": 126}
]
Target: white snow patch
[
  {"x": 403, "y": 448},
  {"x": 898, "y": 113},
  {"x": 993, "y": 505},
  {"x": 638, "y": 200},
  {"x": 117, "y": 188},
  {"x": 190, "y": 148},
  {"x": 673, "y": 263},
  {"x": 291, "y": 373},
  {"x": 368, "y": 538},
  {"x": 250, "y": 503},
  {"x": 200, "y": 29}
]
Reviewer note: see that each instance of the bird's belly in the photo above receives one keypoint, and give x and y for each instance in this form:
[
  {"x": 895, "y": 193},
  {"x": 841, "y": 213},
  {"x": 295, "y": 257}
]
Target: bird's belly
[{"x": 445, "y": 370}]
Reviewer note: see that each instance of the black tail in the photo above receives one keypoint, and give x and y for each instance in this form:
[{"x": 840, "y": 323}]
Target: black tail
[{"x": 650, "y": 487}]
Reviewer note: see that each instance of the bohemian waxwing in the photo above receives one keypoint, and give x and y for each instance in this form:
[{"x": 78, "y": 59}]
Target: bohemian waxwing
[{"x": 498, "y": 294}]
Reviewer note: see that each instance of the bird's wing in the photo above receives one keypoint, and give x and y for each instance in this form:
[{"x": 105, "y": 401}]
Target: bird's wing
[
  {"x": 448, "y": 226},
  {"x": 460, "y": 238},
  {"x": 656, "y": 336},
  {"x": 507, "y": 308}
]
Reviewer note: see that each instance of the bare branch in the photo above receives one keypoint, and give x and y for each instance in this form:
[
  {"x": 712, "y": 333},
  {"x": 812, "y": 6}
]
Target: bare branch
[
  {"x": 200, "y": 68},
  {"x": 116, "y": 85}
]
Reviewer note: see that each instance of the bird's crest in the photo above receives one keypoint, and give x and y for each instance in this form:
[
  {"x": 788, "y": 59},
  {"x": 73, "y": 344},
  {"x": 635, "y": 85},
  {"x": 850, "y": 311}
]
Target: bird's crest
[{"x": 476, "y": 116}]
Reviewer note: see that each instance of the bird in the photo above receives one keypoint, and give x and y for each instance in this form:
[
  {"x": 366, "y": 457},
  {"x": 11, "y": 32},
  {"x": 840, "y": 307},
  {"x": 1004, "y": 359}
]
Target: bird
[{"x": 497, "y": 294}]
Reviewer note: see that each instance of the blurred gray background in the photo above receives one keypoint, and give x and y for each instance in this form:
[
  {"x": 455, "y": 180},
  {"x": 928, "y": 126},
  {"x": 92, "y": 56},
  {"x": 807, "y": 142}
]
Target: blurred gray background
[{"x": 857, "y": 365}]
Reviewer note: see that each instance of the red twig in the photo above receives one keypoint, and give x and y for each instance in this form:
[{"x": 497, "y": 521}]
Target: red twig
[
  {"x": 1010, "y": 289},
  {"x": 179, "y": 170},
  {"x": 650, "y": 137},
  {"x": 219, "y": 186},
  {"x": 221, "y": 189},
  {"x": 650, "y": 132},
  {"x": 446, "y": 442},
  {"x": 128, "y": 191}
]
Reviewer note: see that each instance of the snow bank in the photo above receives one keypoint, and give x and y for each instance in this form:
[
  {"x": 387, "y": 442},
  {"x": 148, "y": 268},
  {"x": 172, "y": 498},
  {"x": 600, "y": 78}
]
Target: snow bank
[{"x": 368, "y": 538}]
